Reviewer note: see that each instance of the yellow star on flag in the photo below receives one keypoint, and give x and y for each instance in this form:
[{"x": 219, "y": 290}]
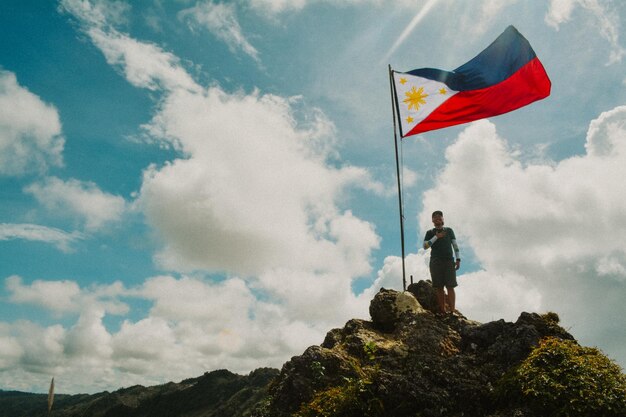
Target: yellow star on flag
[
  {"x": 443, "y": 91},
  {"x": 409, "y": 119},
  {"x": 415, "y": 98},
  {"x": 402, "y": 81}
]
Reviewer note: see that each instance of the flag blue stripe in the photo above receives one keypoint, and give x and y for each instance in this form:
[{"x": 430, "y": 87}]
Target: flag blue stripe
[{"x": 503, "y": 58}]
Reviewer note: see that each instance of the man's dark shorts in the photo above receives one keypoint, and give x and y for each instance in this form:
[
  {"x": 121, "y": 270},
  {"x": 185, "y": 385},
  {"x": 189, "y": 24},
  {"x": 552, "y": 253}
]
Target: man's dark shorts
[{"x": 442, "y": 272}]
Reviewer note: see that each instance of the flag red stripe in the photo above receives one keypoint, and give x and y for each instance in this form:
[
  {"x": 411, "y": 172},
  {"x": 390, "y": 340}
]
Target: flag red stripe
[{"x": 530, "y": 83}]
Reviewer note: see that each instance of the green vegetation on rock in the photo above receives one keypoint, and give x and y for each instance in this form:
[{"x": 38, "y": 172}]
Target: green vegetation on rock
[
  {"x": 561, "y": 378},
  {"x": 353, "y": 398}
]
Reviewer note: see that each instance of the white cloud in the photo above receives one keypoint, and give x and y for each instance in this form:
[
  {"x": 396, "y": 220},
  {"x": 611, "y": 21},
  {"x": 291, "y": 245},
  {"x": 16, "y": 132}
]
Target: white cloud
[
  {"x": 229, "y": 325},
  {"x": 605, "y": 132},
  {"x": 30, "y": 130},
  {"x": 82, "y": 199},
  {"x": 390, "y": 275},
  {"x": 226, "y": 298},
  {"x": 138, "y": 346},
  {"x": 255, "y": 193},
  {"x": 560, "y": 11},
  {"x": 10, "y": 348},
  {"x": 300, "y": 294},
  {"x": 41, "y": 348},
  {"x": 58, "y": 296},
  {"x": 612, "y": 266},
  {"x": 221, "y": 20},
  {"x": 272, "y": 7},
  {"x": 548, "y": 232},
  {"x": 59, "y": 238},
  {"x": 193, "y": 326},
  {"x": 515, "y": 293},
  {"x": 62, "y": 297},
  {"x": 409, "y": 177},
  {"x": 607, "y": 21},
  {"x": 509, "y": 294},
  {"x": 88, "y": 338},
  {"x": 258, "y": 194},
  {"x": 144, "y": 65},
  {"x": 477, "y": 18},
  {"x": 97, "y": 12}
]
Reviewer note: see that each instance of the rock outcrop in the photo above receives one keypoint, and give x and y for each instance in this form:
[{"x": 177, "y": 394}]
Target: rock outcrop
[
  {"x": 408, "y": 362},
  {"x": 388, "y": 306}
]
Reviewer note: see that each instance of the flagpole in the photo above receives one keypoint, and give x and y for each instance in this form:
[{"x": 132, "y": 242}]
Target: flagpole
[{"x": 395, "y": 138}]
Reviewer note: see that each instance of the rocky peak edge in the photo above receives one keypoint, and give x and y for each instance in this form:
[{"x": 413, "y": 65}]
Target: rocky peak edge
[{"x": 407, "y": 361}]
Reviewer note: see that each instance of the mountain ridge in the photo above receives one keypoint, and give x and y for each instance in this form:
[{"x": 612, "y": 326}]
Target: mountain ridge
[{"x": 405, "y": 361}]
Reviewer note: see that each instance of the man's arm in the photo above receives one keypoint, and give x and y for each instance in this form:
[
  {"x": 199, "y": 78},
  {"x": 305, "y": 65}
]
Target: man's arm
[
  {"x": 457, "y": 254},
  {"x": 429, "y": 239}
]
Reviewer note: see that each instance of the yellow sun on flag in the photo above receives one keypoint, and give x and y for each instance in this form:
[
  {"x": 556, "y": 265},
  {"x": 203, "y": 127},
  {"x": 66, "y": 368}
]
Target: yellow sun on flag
[{"x": 415, "y": 98}]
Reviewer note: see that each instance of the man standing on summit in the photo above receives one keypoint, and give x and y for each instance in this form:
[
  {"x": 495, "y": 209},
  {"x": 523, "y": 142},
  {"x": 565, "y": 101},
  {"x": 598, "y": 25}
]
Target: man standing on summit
[{"x": 442, "y": 242}]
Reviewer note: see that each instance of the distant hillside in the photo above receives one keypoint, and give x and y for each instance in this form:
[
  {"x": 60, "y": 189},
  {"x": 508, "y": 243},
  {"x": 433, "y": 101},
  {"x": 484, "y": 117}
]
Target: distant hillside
[
  {"x": 405, "y": 362},
  {"x": 219, "y": 394}
]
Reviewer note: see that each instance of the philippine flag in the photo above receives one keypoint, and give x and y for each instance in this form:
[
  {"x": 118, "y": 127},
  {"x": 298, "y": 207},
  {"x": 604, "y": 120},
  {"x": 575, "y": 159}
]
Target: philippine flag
[{"x": 504, "y": 77}]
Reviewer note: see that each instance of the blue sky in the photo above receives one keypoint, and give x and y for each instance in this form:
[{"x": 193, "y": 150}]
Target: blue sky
[{"x": 196, "y": 185}]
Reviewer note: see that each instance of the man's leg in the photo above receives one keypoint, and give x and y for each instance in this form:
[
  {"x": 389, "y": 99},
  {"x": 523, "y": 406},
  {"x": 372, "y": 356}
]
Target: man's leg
[
  {"x": 451, "y": 298},
  {"x": 441, "y": 299}
]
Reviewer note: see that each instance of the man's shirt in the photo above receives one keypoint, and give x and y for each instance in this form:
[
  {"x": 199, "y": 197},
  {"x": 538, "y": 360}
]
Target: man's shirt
[{"x": 442, "y": 248}]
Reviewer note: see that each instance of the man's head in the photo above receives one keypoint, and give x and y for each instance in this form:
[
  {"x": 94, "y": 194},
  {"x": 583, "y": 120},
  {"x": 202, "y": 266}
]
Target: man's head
[{"x": 438, "y": 219}]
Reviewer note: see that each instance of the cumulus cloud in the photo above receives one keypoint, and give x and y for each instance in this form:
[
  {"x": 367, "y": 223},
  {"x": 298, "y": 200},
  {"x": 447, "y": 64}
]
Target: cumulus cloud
[
  {"x": 257, "y": 195},
  {"x": 59, "y": 238},
  {"x": 40, "y": 349},
  {"x": 221, "y": 20},
  {"x": 80, "y": 352},
  {"x": 255, "y": 192},
  {"x": 226, "y": 323},
  {"x": 532, "y": 227},
  {"x": 607, "y": 20},
  {"x": 255, "y": 199},
  {"x": 58, "y": 296},
  {"x": 10, "y": 348},
  {"x": 30, "y": 130},
  {"x": 390, "y": 275},
  {"x": 193, "y": 325},
  {"x": 509, "y": 293},
  {"x": 63, "y": 297},
  {"x": 79, "y": 199},
  {"x": 144, "y": 64}
]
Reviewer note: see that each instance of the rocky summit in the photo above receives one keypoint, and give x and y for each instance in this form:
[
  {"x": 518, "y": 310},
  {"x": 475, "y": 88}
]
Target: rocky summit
[
  {"x": 405, "y": 361},
  {"x": 408, "y": 361}
]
